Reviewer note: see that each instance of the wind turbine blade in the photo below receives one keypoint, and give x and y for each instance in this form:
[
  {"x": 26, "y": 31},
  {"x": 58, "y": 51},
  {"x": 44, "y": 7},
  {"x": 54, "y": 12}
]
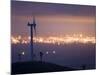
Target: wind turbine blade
[
  {"x": 35, "y": 31},
  {"x": 34, "y": 25}
]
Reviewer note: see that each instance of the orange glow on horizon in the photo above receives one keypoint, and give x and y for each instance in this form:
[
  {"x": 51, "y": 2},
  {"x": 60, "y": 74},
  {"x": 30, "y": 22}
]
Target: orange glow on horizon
[{"x": 75, "y": 38}]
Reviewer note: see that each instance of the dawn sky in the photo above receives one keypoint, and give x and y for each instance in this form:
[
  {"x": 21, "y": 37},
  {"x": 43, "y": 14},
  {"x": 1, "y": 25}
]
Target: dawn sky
[
  {"x": 56, "y": 26},
  {"x": 52, "y": 18}
]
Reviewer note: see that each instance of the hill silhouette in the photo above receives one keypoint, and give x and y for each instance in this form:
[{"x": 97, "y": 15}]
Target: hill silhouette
[{"x": 37, "y": 67}]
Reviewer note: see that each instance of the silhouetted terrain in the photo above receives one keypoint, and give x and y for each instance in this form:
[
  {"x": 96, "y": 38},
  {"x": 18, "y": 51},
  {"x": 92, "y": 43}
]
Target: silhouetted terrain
[
  {"x": 78, "y": 56},
  {"x": 37, "y": 67}
]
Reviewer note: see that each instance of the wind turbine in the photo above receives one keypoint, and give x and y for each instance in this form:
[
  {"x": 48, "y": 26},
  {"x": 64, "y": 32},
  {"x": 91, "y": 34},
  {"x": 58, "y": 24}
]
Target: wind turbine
[{"x": 31, "y": 25}]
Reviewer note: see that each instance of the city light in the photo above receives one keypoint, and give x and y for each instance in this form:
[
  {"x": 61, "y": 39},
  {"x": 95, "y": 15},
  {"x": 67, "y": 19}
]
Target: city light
[
  {"x": 23, "y": 53},
  {"x": 47, "y": 52},
  {"x": 54, "y": 52},
  {"x": 66, "y": 39}
]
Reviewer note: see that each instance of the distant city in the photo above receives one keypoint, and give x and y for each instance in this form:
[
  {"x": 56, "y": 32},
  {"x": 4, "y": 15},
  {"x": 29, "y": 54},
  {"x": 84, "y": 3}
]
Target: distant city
[{"x": 61, "y": 39}]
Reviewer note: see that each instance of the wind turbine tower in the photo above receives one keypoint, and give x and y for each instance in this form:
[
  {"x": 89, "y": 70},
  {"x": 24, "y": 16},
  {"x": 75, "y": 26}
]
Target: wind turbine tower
[{"x": 31, "y": 25}]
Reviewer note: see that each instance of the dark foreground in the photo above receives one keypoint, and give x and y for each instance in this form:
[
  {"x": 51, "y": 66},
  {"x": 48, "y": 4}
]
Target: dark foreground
[{"x": 37, "y": 67}]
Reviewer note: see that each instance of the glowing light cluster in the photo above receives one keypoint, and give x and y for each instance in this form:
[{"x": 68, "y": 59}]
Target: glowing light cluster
[{"x": 75, "y": 38}]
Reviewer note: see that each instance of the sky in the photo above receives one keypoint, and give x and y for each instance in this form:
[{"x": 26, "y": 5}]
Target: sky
[
  {"x": 52, "y": 19},
  {"x": 55, "y": 19}
]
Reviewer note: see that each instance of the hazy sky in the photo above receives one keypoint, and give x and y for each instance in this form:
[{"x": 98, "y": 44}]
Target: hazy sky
[{"x": 52, "y": 18}]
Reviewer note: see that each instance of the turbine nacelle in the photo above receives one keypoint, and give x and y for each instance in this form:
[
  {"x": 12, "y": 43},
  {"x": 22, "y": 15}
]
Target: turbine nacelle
[{"x": 33, "y": 25}]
